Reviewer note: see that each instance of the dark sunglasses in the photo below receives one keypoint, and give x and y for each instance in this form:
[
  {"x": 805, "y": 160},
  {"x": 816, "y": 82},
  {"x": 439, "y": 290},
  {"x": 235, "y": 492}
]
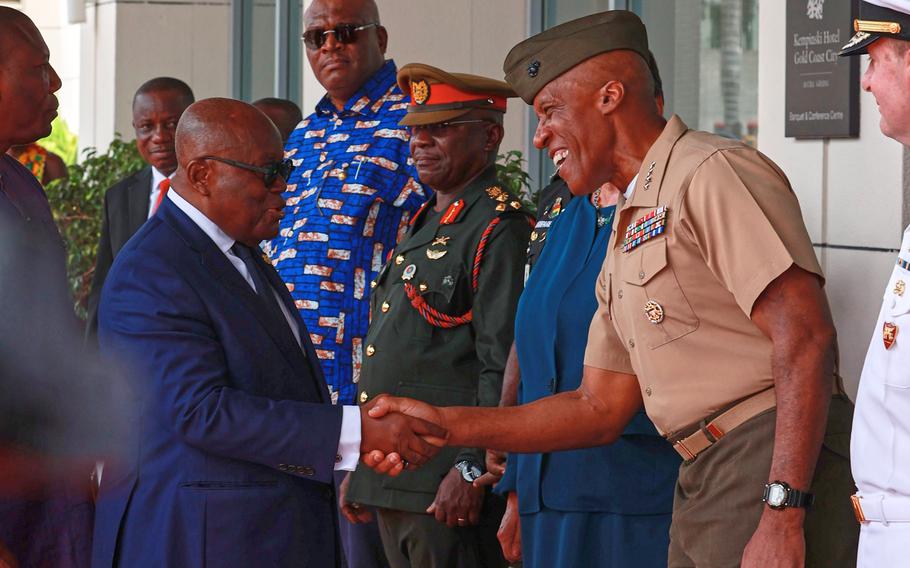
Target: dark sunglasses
[
  {"x": 344, "y": 33},
  {"x": 269, "y": 172},
  {"x": 440, "y": 128}
]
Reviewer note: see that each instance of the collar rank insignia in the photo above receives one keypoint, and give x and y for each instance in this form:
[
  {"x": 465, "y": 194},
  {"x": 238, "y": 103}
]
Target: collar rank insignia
[
  {"x": 452, "y": 212},
  {"x": 645, "y": 228}
]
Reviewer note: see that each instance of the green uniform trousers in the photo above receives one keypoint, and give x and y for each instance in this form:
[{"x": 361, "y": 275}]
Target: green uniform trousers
[{"x": 418, "y": 540}]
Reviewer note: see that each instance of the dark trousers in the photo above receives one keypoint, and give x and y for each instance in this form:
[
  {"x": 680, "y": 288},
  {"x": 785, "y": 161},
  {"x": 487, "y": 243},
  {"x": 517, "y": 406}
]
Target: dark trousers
[
  {"x": 718, "y": 504},
  {"x": 361, "y": 543},
  {"x": 418, "y": 540}
]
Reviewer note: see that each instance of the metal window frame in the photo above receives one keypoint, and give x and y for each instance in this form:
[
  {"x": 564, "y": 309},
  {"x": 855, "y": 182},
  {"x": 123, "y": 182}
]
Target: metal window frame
[{"x": 288, "y": 51}]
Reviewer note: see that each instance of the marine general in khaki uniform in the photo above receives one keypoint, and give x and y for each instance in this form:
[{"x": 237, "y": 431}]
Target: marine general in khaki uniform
[
  {"x": 712, "y": 314},
  {"x": 443, "y": 311}
]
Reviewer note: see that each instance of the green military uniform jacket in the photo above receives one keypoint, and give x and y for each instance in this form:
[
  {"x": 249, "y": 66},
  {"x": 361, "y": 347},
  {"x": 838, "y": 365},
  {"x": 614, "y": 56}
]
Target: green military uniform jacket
[{"x": 405, "y": 355}]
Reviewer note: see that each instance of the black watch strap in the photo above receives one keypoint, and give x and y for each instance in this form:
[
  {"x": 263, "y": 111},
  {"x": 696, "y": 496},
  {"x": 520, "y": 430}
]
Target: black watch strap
[{"x": 791, "y": 498}]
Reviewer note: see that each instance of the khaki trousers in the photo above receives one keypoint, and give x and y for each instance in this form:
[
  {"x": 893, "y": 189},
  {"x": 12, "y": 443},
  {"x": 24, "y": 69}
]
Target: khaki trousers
[{"x": 718, "y": 497}]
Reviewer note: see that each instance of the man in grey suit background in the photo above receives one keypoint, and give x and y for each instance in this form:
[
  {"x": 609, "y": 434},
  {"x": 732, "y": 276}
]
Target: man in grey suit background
[{"x": 157, "y": 107}]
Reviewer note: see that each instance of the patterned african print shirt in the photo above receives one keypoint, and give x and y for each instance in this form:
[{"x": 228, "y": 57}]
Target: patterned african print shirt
[{"x": 349, "y": 200}]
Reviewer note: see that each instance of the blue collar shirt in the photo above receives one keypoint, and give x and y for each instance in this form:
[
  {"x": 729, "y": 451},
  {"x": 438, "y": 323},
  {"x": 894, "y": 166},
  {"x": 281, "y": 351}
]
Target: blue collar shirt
[{"x": 349, "y": 200}]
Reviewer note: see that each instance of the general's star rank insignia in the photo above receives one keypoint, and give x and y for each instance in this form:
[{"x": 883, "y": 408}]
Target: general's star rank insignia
[{"x": 889, "y": 334}]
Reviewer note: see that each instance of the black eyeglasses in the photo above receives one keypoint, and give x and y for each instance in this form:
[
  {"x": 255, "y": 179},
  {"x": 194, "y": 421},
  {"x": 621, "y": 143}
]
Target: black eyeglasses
[
  {"x": 440, "y": 128},
  {"x": 344, "y": 33},
  {"x": 269, "y": 172}
]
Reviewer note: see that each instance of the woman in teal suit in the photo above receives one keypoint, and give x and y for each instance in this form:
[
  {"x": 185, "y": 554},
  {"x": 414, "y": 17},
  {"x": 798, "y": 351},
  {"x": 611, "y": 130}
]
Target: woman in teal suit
[{"x": 608, "y": 506}]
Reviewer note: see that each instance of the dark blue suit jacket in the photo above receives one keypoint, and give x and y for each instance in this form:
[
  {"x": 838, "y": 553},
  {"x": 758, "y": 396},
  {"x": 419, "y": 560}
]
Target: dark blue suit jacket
[{"x": 236, "y": 435}]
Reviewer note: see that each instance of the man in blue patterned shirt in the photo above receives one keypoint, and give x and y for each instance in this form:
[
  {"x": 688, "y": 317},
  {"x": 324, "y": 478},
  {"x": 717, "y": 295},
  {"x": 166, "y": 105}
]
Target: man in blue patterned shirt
[{"x": 351, "y": 195}]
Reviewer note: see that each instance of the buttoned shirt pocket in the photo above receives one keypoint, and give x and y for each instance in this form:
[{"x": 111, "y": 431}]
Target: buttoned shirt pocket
[
  {"x": 653, "y": 300},
  {"x": 897, "y": 322}
]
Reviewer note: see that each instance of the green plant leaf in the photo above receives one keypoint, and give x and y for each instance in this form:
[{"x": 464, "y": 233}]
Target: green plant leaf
[{"x": 77, "y": 203}]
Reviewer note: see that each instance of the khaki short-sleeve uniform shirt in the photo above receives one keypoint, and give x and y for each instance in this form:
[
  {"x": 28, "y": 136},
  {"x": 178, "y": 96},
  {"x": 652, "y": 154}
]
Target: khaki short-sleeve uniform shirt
[{"x": 675, "y": 300}]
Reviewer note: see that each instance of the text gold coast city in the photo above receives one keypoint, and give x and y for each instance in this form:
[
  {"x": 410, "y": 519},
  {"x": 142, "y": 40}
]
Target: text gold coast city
[{"x": 455, "y": 284}]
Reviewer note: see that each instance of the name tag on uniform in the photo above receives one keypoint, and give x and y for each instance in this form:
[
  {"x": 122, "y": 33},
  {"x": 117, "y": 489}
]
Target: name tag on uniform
[{"x": 645, "y": 228}]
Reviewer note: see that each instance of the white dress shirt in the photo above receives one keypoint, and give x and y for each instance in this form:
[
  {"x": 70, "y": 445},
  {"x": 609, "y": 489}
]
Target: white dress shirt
[{"x": 349, "y": 441}]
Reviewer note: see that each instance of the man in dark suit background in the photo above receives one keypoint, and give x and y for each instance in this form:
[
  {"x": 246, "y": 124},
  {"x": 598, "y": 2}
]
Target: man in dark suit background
[
  {"x": 157, "y": 107},
  {"x": 285, "y": 114},
  {"x": 237, "y": 438}
]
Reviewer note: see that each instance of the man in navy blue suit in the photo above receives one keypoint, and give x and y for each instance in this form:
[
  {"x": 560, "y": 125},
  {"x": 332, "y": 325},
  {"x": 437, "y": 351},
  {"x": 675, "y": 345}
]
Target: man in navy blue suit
[{"x": 238, "y": 441}]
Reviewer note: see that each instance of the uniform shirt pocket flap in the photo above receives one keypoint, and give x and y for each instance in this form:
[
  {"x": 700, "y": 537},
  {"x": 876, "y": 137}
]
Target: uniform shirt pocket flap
[{"x": 645, "y": 262}]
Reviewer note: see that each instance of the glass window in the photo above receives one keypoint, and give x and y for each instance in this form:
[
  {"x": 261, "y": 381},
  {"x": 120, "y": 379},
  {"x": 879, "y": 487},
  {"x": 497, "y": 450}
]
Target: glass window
[{"x": 267, "y": 56}]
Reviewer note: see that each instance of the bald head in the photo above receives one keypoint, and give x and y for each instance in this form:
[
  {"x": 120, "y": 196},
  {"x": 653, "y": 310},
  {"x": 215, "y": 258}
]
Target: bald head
[
  {"x": 228, "y": 154},
  {"x": 223, "y": 127},
  {"x": 366, "y": 9},
  {"x": 343, "y": 68},
  {"x": 27, "y": 81}
]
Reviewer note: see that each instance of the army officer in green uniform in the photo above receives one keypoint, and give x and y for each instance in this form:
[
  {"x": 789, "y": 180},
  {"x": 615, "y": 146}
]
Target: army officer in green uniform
[{"x": 443, "y": 310}]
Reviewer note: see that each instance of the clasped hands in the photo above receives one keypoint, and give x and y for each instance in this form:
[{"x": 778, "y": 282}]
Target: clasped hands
[{"x": 399, "y": 434}]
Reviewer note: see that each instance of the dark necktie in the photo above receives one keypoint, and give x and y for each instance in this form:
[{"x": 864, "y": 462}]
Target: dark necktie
[{"x": 263, "y": 287}]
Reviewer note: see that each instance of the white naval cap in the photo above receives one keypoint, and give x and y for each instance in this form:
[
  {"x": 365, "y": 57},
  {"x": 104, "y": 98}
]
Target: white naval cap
[{"x": 878, "y": 18}]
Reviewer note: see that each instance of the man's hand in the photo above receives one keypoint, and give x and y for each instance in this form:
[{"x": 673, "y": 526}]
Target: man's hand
[
  {"x": 778, "y": 542},
  {"x": 353, "y": 512},
  {"x": 413, "y": 439},
  {"x": 509, "y": 534},
  {"x": 496, "y": 468},
  {"x": 457, "y": 503}
]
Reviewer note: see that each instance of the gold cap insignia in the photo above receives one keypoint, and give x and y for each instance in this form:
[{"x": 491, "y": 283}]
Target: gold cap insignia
[{"x": 420, "y": 92}]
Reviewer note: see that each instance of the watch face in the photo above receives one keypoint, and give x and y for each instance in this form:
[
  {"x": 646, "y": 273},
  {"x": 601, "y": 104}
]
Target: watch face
[{"x": 777, "y": 495}]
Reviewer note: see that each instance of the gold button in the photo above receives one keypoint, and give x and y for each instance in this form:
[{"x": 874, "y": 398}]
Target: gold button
[
  {"x": 648, "y": 391},
  {"x": 372, "y": 283},
  {"x": 370, "y": 350},
  {"x": 399, "y": 259},
  {"x": 632, "y": 343},
  {"x": 342, "y": 176},
  {"x": 385, "y": 307},
  {"x": 423, "y": 286},
  {"x": 364, "y": 397}
]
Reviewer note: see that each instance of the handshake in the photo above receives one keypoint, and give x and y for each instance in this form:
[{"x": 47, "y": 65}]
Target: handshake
[{"x": 400, "y": 433}]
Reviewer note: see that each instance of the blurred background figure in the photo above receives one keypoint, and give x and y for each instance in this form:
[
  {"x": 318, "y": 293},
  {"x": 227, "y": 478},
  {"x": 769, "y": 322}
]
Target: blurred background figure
[
  {"x": 44, "y": 164},
  {"x": 51, "y": 397},
  {"x": 283, "y": 113},
  {"x": 157, "y": 107}
]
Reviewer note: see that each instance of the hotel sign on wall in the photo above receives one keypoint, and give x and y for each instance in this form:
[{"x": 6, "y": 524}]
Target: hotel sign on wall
[{"x": 822, "y": 89}]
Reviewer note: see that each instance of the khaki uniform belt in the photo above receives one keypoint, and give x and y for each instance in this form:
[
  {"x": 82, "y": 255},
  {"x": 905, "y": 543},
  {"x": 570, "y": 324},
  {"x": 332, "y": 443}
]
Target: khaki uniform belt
[{"x": 703, "y": 438}]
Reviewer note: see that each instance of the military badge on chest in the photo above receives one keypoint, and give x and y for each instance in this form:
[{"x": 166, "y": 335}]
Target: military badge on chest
[
  {"x": 645, "y": 228},
  {"x": 889, "y": 334}
]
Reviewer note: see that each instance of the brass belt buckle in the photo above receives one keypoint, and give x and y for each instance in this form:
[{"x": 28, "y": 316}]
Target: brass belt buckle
[{"x": 857, "y": 508}]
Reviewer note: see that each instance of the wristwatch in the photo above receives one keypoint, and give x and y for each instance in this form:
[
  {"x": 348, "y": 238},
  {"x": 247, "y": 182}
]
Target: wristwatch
[
  {"x": 469, "y": 470},
  {"x": 779, "y": 495}
]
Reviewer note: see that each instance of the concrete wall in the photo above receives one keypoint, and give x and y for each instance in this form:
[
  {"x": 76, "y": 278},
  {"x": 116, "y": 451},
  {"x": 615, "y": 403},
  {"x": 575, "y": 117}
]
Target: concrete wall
[
  {"x": 50, "y": 17},
  {"x": 468, "y": 36},
  {"x": 127, "y": 42},
  {"x": 850, "y": 192}
]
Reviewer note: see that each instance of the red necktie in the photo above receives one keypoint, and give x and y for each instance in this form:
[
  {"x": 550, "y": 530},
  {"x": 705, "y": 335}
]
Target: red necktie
[{"x": 162, "y": 191}]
